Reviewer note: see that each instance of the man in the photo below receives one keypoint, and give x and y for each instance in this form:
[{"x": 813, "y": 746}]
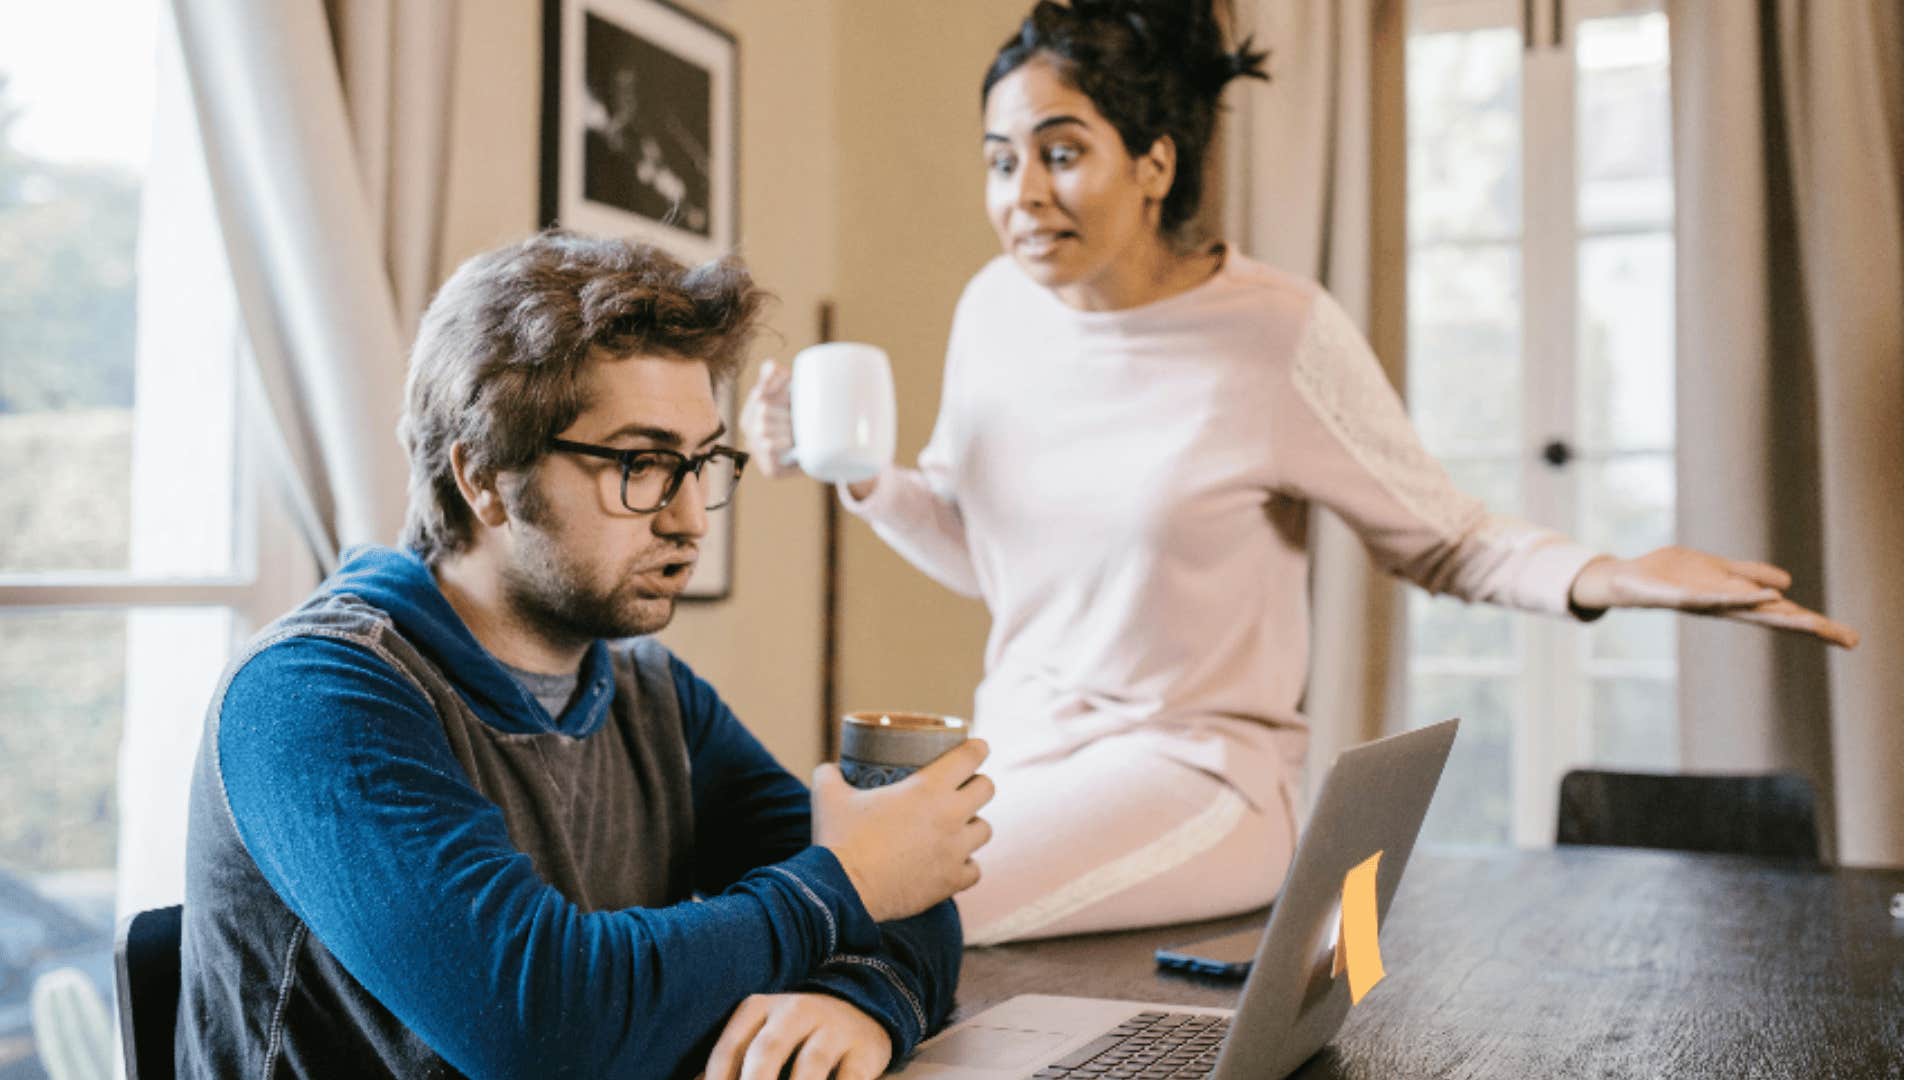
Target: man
[{"x": 453, "y": 815}]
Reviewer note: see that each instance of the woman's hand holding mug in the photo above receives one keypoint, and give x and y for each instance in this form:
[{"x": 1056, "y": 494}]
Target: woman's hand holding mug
[
  {"x": 766, "y": 421},
  {"x": 831, "y": 417}
]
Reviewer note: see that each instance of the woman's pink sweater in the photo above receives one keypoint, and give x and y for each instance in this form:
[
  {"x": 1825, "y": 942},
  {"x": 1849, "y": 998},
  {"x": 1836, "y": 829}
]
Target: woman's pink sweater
[{"x": 1127, "y": 492}]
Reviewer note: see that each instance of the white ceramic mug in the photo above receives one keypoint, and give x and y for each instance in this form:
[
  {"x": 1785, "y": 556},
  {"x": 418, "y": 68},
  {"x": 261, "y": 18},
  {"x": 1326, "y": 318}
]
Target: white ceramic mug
[{"x": 843, "y": 418}]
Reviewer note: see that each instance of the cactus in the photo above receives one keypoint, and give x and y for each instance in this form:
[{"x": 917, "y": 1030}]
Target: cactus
[{"x": 70, "y": 1027}]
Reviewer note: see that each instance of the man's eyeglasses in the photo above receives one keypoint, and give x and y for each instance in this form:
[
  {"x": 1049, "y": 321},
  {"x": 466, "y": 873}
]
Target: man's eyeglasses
[{"x": 649, "y": 479}]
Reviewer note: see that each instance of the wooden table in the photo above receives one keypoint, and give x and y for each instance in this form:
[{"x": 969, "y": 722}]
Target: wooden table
[{"x": 1570, "y": 962}]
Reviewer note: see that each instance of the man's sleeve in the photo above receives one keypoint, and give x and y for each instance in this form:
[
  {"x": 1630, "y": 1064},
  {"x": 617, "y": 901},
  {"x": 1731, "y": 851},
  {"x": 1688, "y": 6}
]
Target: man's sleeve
[
  {"x": 750, "y": 811},
  {"x": 907, "y": 983},
  {"x": 345, "y": 794},
  {"x": 747, "y": 810}
]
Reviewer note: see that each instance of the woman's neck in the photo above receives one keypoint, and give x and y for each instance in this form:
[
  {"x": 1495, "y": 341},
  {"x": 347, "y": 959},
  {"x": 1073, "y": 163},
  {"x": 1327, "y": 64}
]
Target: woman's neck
[{"x": 1155, "y": 274}]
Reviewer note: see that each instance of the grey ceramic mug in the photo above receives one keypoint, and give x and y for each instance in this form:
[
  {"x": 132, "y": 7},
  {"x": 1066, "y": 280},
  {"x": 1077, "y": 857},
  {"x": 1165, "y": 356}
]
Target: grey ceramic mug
[{"x": 879, "y": 748}]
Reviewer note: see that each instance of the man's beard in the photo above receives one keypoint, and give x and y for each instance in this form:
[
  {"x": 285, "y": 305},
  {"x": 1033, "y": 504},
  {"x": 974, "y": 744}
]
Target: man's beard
[{"x": 555, "y": 597}]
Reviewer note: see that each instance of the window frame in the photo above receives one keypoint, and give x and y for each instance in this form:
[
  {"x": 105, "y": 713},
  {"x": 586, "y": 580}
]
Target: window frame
[
  {"x": 270, "y": 558},
  {"x": 253, "y": 510}
]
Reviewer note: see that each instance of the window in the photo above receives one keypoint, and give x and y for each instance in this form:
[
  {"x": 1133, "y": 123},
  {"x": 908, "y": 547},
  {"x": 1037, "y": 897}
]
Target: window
[
  {"x": 139, "y": 545},
  {"x": 1540, "y": 373}
]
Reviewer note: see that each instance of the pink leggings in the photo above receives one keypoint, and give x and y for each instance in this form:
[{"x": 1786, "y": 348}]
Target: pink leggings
[{"x": 1118, "y": 836}]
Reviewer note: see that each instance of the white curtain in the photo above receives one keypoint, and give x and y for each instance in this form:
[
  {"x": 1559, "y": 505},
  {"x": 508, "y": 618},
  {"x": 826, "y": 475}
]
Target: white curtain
[
  {"x": 186, "y": 492},
  {"x": 324, "y": 226},
  {"x": 1315, "y": 164},
  {"x": 1788, "y": 160},
  {"x": 307, "y": 210}
]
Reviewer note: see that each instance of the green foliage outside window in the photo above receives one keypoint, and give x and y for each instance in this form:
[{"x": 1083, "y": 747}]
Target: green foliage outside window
[{"x": 67, "y": 235}]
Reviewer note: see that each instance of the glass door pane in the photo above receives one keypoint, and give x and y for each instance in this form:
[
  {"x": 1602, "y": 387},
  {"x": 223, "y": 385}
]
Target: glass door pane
[
  {"x": 1541, "y": 300},
  {"x": 1465, "y": 390},
  {"x": 1625, "y": 121},
  {"x": 1625, "y": 471}
]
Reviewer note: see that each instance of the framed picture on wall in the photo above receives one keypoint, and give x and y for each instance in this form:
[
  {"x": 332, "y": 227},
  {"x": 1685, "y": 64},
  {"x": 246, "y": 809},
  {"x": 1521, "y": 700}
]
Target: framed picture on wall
[
  {"x": 640, "y": 139},
  {"x": 640, "y": 125}
]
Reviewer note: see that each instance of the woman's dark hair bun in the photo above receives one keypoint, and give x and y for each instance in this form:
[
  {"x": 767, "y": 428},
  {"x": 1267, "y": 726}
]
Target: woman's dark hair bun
[{"x": 1186, "y": 35}]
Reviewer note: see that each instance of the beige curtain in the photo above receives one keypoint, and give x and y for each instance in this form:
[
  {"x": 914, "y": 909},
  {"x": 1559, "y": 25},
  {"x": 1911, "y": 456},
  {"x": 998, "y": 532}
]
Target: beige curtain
[
  {"x": 1315, "y": 162},
  {"x": 1788, "y": 160},
  {"x": 396, "y": 68},
  {"x": 324, "y": 134}
]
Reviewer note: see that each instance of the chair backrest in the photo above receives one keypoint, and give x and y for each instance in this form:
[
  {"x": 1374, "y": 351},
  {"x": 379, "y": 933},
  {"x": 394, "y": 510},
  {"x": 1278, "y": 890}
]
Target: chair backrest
[
  {"x": 146, "y": 972},
  {"x": 1770, "y": 814}
]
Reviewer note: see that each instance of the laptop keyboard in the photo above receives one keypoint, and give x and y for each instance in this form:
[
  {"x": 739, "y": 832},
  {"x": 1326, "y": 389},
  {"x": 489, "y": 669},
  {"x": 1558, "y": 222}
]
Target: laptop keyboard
[{"x": 1148, "y": 1046}]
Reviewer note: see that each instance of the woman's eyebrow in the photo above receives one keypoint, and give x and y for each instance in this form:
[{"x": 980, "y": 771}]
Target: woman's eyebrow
[
  {"x": 1058, "y": 121},
  {"x": 1049, "y": 122}
]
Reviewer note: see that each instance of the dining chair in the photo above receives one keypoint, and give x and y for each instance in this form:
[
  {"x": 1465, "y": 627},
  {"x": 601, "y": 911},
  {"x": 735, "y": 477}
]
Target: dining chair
[
  {"x": 146, "y": 975},
  {"x": 1769, "y": 814}
]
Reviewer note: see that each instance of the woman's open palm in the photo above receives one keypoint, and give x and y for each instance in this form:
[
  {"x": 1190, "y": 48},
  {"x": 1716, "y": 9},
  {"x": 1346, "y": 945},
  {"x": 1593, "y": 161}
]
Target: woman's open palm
[{"x": 1683, "y": 579}]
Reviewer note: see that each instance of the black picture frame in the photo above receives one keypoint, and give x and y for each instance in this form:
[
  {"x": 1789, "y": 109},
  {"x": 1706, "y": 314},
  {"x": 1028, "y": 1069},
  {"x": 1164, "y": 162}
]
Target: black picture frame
[{"x": 640, "y": 138}]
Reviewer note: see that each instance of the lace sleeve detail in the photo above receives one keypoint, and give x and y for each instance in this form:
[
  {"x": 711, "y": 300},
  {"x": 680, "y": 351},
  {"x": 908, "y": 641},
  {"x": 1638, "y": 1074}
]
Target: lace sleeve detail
[{"x": 1339, "y": 379}]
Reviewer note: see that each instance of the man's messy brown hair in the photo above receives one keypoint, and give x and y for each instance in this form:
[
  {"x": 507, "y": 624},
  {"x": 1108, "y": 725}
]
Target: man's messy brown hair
[{"x": 499, "y": 364}]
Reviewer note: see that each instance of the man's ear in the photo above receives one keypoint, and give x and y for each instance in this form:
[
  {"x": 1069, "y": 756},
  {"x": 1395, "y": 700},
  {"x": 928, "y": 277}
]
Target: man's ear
[
  {"x": 1154, "y": 169},
  {"x": 482, "y": 491}
]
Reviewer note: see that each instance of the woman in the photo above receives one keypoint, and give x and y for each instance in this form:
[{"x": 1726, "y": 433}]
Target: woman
[{"x": 1131, "y": 427}]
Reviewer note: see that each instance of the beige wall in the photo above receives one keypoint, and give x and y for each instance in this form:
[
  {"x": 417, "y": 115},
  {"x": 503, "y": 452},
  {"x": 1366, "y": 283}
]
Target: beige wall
[
  {"x": 860, "y": 180},
  {"x": 761, "y": 648},
  {"x": 912, "y": 232}
]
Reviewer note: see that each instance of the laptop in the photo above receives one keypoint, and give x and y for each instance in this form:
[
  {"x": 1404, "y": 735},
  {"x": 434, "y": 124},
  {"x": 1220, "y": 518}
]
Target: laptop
[{"x": 1373, "y": 800}]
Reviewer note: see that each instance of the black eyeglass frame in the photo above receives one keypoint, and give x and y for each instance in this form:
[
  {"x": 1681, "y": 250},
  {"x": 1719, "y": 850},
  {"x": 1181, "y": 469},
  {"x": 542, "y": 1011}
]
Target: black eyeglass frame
[{"x": 683, "y": 465}]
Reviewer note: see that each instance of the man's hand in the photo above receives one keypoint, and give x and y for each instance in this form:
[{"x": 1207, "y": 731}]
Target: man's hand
[
  {"x": 1687, "y": 580},
  {"x": 909, "y": 845},
  {"x": 818, "y": 1033}
]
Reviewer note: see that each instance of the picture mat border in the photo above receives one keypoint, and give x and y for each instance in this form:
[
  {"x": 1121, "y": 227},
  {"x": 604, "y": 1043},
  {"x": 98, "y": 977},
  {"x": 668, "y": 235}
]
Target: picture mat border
[{"x": 673, "y": 29}]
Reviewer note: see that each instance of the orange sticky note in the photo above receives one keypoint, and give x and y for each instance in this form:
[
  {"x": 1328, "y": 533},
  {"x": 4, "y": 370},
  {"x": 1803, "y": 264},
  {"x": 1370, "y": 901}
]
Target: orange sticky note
[{"x": 1358, "y": 949}]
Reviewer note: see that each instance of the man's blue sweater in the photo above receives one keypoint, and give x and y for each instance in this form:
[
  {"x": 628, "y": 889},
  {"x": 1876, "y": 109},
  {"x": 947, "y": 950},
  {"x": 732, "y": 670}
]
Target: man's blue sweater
[{"x": 399, "y": 863}]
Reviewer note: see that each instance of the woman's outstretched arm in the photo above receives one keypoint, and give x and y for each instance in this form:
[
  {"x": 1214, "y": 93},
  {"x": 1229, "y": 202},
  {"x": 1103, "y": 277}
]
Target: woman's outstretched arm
[{"x": 1349, "y": 445}]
